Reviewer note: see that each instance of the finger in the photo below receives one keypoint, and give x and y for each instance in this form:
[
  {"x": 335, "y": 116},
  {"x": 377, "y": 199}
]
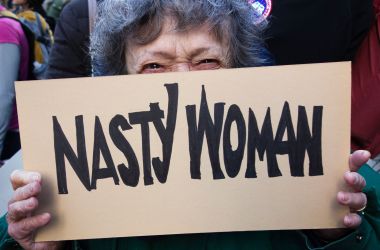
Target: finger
[
  {"x": 355, "y": 201},
  {"x": 27, "y": 226},
  {"x": 352, "y": 220},
  {"x": 21, "y": 209},
  {"x": 355, "y": 181},
  {"x": 25, "y": 192},
  {"x": 358, "y": 158},
  {"x": 21, "y": 178}
]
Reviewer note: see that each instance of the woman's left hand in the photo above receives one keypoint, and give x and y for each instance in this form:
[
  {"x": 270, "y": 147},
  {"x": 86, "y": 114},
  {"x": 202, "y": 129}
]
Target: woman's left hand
[{"x": 355, "y": 199}]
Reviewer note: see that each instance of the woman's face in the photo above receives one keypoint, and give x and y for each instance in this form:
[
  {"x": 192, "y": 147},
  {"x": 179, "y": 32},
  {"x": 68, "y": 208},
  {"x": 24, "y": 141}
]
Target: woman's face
[{"x": 176, "y": 51}]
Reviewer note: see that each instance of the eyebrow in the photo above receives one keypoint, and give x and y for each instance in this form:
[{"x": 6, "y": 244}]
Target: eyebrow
[
  {"x": 199, "y": 51},
  {"x": 169, "y": 55}
]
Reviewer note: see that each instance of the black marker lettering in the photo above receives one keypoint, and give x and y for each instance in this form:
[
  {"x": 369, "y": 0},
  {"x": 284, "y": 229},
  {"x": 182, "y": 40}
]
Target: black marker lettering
[
  {"x": 196, "y": 135},
  {"x": 262, "y": 142},
  {"x": 129, "y": 175},
  {"x": 143, "y": 118},
  {"x": 101, "y": 147},
  {"x": 311, "y": 143},
  {"x": 287, "y": 147},
  {"x": 233, "y": 158},
  {"x": 63, "y": 148},
  {"x": 161, "y": 168}
]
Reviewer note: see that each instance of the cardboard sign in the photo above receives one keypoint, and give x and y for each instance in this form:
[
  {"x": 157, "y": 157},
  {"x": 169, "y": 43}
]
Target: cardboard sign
[{"x": 207, "y": 151}]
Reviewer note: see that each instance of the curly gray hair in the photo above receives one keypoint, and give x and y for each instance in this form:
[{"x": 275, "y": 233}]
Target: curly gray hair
[{"x": 141, "y": 21}]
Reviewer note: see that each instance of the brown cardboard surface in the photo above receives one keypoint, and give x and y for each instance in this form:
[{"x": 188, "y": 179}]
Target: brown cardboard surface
[{"x": 183, "y": 204}]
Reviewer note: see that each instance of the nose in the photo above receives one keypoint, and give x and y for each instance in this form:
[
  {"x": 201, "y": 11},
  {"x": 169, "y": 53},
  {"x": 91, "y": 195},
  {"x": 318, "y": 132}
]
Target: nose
[{"x": 182, "y": 67}]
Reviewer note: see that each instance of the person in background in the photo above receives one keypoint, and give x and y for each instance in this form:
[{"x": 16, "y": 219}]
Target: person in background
[
  {"x": 308, "y": 31},
  {"x": 179, "y": 36},
  {"x": 20, "y": 6},
  {"x": 14, "y": 59},
  {"x": 54, "y": 7},
  {"x": 366, "y": 93},
  {"x": 6, "y": 4},
  {"x": 72, "y": 42},
  {"x": 28, "y": 12}
]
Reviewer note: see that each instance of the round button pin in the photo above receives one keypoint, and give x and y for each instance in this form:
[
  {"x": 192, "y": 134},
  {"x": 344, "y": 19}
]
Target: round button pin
[{"x": 262, "y": 9}]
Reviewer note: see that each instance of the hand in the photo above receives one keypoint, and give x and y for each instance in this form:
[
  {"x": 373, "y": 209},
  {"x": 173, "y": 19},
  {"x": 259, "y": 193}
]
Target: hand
[
  {"x": 22, "y": 223},
  {"x": 356, "y": 200}
]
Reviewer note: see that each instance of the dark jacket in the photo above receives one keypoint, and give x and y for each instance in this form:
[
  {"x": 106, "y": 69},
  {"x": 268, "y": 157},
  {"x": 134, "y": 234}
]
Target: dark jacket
[
  {"x": 309, "y": 31},
  {"x": 69, "y": 56},
  {"x": 365, "y": 119}
]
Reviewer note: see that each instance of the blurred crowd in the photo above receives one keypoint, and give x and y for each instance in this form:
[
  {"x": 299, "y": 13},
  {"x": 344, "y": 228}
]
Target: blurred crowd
[{"x": 26, "y": 40}]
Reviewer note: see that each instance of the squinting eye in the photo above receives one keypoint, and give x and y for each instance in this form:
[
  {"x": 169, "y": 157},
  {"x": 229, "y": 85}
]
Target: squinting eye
[
  {"x": 207, "y": 64},
  {"x": 208, "y": 61},
  {"x": 152, "y": 68}
]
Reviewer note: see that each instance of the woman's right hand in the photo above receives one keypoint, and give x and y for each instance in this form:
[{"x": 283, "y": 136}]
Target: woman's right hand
[{"x": 22, "y": 222}]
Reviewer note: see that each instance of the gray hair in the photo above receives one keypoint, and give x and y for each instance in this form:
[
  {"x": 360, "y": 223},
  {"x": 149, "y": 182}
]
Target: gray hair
[{"x": 141, "y": 21}]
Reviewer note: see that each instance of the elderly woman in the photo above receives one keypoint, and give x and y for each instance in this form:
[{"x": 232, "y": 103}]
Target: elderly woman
[{"x": 154, "y": 36}]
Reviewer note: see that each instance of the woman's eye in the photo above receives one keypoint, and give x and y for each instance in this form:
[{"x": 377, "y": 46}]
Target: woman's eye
[
  {"x": 152, "y": 68},
  {"x": 207, "y": 64},
  {"x": 207, "y": 61}
]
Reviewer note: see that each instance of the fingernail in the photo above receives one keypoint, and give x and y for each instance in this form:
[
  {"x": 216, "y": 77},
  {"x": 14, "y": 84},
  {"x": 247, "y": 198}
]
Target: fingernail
[
  {"x": 356, "y": 179},
  {"x": 31, "y": 204},
  {"x": 347, "y": 174},
  {"x": 36, "y": 177},
  {"x": 365, "y": 153},
  {"x": 353, "y": 177},
  {"x": 31, "y": 189},
  {"x": 343, "y": 197},
  {"x": 347, "y": 221},
  {"x": 46, "y": 216}
]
